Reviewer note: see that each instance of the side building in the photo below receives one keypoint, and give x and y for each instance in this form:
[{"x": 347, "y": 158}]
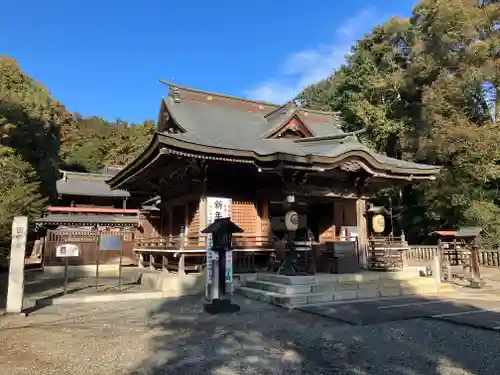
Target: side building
[{"x": 87, "y": 207}]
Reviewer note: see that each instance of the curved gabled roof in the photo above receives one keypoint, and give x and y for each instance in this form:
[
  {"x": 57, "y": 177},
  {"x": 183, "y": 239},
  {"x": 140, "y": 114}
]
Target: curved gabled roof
[{"x": 214, "y": 126}]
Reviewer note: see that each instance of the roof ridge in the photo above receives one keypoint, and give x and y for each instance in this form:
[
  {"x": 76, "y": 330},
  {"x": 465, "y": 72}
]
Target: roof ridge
[
  {"x": 90, "y": 174},
  {"x": 211, "y": 93},
  {"x": 286, "y": 104},
  {"x": 333, "y": 137},
  {"x": 336, "y": 113}
]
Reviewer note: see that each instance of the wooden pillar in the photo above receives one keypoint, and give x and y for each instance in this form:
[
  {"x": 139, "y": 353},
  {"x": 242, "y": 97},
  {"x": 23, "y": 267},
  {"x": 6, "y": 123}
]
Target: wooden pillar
[
  {"x": 186, "y": 222},
  {"x": 265, "y": 224},
  {"x": 203, "y": 220},
  {"x": 182, "y": 264},
  {"x": 258, "y": 223},
  {"x": 140, "y": 260},
  {"x": 338, "y": 214},
  {"x": 164, "y": 263},
  {"x": 170, "y": 219},
  {"x": 362, "y": 231}
]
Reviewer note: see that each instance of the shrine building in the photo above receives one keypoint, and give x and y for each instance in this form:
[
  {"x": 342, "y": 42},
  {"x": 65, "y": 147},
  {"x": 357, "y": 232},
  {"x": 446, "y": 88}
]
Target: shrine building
[{"x": 216, "y": 155}]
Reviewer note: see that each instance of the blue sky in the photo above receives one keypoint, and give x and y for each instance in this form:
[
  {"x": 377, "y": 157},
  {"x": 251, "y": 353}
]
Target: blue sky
[{"x": 105, "y": 57}]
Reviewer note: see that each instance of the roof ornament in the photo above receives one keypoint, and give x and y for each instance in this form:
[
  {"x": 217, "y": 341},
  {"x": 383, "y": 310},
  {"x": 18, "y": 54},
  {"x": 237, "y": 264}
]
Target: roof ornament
[{"x": 175, "y": 94}]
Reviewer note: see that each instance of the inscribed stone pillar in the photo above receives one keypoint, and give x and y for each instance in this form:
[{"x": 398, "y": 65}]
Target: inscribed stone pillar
[
  {"x": 362, "y": 231},
  {"x": 16, "y": 268}
]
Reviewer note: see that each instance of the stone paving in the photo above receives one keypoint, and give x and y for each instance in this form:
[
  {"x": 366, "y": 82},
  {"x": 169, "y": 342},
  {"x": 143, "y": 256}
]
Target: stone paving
[
  {"x": 481, "y": 313},
  {"x": 176, "y": 337}
]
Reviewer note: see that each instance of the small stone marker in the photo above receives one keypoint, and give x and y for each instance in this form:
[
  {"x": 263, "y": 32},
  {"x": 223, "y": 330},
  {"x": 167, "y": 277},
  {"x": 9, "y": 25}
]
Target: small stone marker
[{"x": 15, "y": 290}]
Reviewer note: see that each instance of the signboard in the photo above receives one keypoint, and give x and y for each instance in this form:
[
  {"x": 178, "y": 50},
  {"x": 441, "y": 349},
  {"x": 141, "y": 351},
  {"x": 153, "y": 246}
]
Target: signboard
[
  {"x": 109, "y": 243},
  {"x": 218, "y": 208},
  {"x": 67, "y": 250}
]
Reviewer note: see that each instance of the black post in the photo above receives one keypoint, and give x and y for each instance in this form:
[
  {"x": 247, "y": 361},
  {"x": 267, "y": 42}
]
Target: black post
[
  {"x": 97, "y": 267},
  {"x": 222, "y": 273},
  {"x": 290, "y": 268},
  {"x": 120, "y": 268},
  {"x": 65, "y": 275}
]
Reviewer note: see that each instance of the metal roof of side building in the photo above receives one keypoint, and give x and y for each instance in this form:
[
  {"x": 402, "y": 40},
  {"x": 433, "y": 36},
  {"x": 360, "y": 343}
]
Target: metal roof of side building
[{"x": 88, "y": 184}]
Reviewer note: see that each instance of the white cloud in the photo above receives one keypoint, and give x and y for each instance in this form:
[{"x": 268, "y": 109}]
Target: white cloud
[{"x": 310, "y": 66}]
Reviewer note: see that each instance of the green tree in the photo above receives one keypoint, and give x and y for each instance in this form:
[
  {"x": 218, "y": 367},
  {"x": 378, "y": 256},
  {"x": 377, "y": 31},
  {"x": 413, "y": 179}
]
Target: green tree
[
  {"x": 99, "y": 142},
  {"x": 20, "y": 193},
  {"x": 425, "y": 88},
  {"x": 32, "y": 124}
]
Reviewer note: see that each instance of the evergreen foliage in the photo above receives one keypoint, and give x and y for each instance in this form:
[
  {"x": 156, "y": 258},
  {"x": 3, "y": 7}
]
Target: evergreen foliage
[
  {"x": 38, "y": 136},
  {"x": 426, "y": 89}
]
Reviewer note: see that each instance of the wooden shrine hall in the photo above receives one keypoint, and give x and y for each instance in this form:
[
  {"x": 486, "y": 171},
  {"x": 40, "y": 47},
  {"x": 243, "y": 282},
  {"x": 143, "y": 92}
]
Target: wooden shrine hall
[{"x": 215, "y": 155}]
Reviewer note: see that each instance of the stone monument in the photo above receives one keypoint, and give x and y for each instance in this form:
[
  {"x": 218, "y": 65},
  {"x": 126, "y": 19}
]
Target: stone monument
[{"x": 15, "y": 291}]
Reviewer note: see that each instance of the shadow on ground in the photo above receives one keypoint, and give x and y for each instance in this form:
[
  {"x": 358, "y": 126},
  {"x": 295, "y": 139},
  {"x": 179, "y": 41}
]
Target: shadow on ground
[
  {"x": 39, "y": 287},
  {"x": 263, "y": 339}
]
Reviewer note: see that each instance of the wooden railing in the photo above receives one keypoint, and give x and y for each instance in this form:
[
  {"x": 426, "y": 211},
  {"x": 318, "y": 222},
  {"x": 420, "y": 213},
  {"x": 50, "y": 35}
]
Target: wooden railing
[
  {"x": 186, "y": 261},
  {"x": 199, "y": 242},
  {"x": 188, "y": 242},
  {"x": 184, "y": 254},
  {"x": 455, "y": 257},
  {"x": 421, "y": 252},
  {"x": 386, "y": 253}
]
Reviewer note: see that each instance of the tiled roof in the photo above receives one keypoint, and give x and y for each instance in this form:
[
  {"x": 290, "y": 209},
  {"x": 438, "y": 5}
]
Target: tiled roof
[
  {"x": 90, "y": 219},
  {"x": 221, "y": 127},
  {"x": 87, "y": 184},
  {"x": 230, "y": 127},
  {"x": 329, "y": 148},
  {"x": 228, "y": 122}
]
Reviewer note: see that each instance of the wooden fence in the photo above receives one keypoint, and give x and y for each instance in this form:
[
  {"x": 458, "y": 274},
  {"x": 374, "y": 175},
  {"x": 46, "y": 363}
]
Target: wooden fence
[
  {"x": 456, "y": 257},
  {"x": 88, "y": 242}
]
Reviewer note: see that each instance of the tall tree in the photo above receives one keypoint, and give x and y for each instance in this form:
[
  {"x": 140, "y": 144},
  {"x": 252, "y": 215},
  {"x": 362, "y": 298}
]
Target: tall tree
[
  {"x": 20, "y": 194},
  {"x": 31, "y": 123},
  {"x": 419, "y": 86}
]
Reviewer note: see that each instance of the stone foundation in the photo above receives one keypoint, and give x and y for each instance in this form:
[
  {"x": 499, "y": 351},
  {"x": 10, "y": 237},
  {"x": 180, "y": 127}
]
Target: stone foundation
[{"x": 304, "y": 290}]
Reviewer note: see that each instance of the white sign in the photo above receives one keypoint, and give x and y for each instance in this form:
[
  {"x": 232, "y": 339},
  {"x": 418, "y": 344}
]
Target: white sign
[
  {"x": 211, "y": 256},
  {"x": 218, "y": 208},
  {"x": 229, "y": 266},
  {"x": 68, "y": 250}
]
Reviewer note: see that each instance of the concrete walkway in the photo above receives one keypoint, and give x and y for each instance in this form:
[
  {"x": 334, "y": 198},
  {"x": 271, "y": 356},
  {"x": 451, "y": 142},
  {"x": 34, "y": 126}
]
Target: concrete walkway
[{"x": 478, "y": 308}]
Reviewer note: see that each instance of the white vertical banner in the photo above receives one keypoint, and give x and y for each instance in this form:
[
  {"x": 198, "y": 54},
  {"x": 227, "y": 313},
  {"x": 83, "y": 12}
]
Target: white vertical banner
[
  {"x": 218, "y": 208},
  {"x": 229, "y": 266}
]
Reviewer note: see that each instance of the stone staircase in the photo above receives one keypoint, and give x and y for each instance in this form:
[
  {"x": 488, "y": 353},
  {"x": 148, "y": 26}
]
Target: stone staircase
[{"x": 293, "y": 291}]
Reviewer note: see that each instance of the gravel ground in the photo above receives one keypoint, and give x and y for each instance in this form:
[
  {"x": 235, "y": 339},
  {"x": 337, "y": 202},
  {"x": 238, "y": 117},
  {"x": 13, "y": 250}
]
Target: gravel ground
[{"x": 175, "y": 337}]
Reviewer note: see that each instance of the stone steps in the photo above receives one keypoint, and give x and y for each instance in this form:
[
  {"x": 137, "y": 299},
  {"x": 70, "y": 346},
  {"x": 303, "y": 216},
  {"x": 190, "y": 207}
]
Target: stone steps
[{"x": 302, "y": 290}]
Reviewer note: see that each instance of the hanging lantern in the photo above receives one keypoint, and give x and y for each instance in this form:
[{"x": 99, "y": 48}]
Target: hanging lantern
[
  {"x": 378, "y": 223},
  {"x": 291, "y": 221}
]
